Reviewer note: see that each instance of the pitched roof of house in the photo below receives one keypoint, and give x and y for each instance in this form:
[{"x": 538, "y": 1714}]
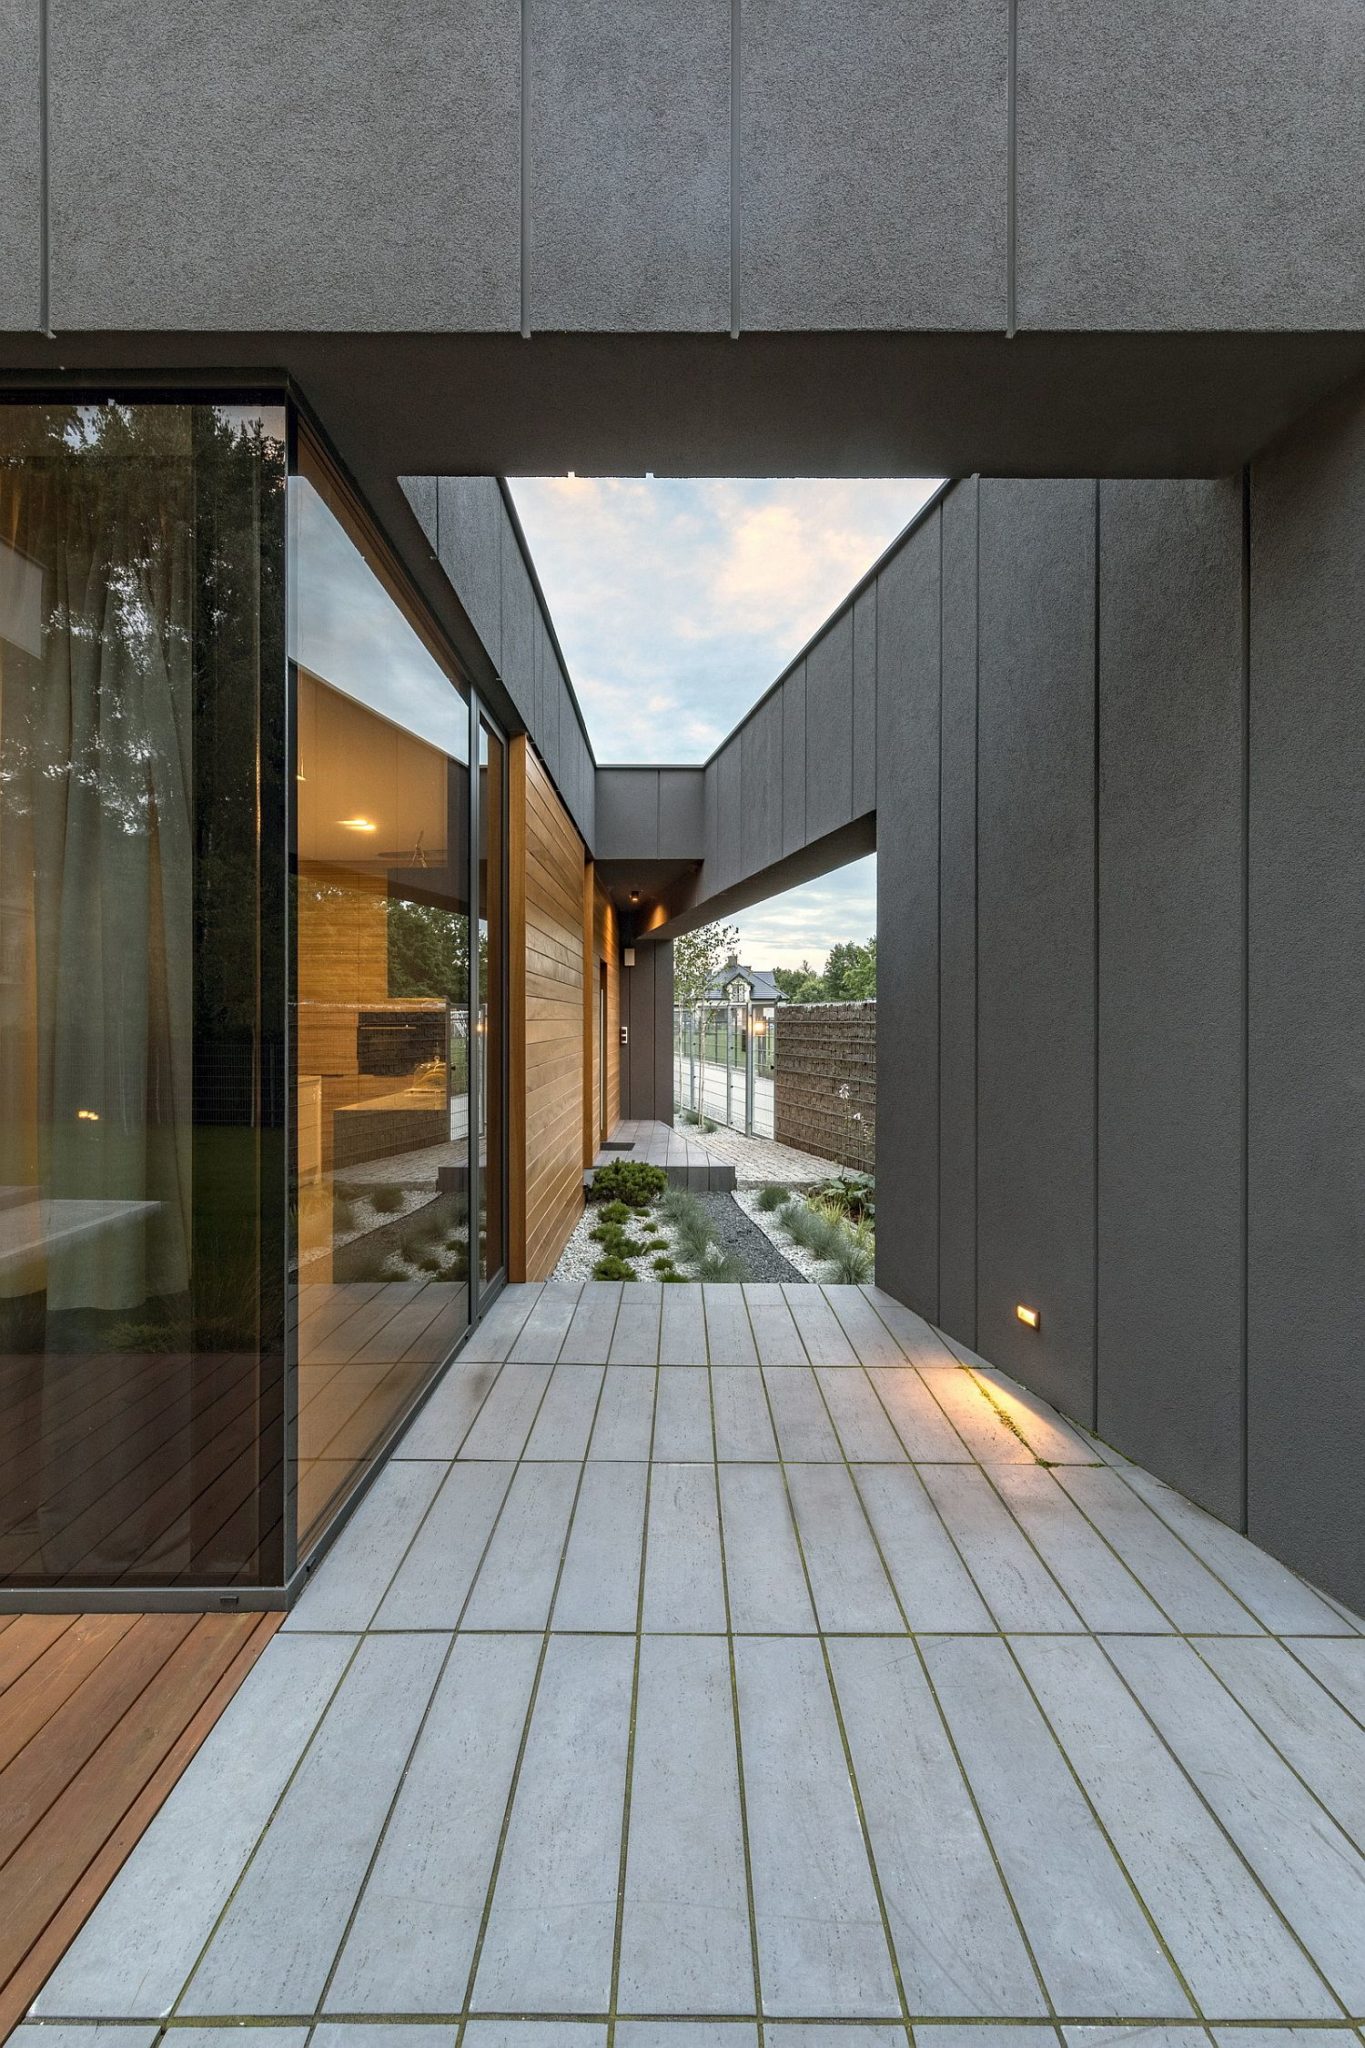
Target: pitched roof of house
[{"x": 763, "y": 988}]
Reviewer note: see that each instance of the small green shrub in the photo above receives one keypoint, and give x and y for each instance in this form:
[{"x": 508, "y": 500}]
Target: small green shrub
[
  {"x": 671, "y": 1279},
  {"x": 851, "y": 1193},
  {"x": 613, "y": 1269},
  {"x": 632, "y": 1181},
  {"x": 852, "y": 1264},
  {"x": 343, "y": 1215},
  {"x": 616, "y": 1212},
  {"x": 772, "y": 1197},
  {"x": 386, "y": 1199},
  {"x": 663, "y": 1264}
]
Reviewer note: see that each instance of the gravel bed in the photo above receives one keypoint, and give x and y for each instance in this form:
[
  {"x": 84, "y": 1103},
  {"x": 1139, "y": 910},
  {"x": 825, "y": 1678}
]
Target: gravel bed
[
  {"x": 732, "y": 1226},
  {"x": 581, "y": 1254},
  {"x": 805, "y": 1264}
]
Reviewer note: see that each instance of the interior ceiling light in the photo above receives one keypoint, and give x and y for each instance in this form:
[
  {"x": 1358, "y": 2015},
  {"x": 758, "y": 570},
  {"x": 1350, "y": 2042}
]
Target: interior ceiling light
[{"x": 357, "y": 824}]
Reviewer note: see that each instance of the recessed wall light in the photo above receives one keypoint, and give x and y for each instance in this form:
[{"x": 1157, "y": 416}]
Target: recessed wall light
[{"x": 1028, "y": 1316}]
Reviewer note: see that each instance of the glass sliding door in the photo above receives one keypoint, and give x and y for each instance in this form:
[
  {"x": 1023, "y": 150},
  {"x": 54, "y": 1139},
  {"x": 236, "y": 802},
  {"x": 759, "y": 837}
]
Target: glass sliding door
[
  {"x": 382, "y": 1014},
  {"x": 490, "y": 1039},
  {"x": 141, "y": 1144}
]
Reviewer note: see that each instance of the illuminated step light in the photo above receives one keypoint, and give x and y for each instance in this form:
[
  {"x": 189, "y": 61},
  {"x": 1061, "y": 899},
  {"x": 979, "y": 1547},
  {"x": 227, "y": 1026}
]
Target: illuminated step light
[
  {"x": 357, "y": 824},
  {"x": 1028, "y": 1316}
]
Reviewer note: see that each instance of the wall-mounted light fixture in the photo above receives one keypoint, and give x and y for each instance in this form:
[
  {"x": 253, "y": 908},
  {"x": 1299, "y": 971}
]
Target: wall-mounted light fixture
[
  {"x": 628, "y": 956},
  {"x": 634, "y": 895},
  {"x": 1028, "y": 1316}
]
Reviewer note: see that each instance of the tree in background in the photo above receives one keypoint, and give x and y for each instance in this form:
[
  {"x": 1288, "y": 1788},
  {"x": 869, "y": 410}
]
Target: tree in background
[
  {"x": 850, "y": 976},
  {"x": 698, "y": 958},
  {"x": 800, "y": 984}
]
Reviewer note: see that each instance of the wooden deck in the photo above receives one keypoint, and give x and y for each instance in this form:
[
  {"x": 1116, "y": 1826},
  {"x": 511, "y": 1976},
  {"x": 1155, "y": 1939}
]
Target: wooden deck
[{"x": 99, "y": 1715}]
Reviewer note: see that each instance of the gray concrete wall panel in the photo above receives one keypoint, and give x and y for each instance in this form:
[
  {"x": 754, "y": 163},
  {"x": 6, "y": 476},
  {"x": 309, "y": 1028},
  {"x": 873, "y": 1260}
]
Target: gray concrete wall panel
[
  {"x": 519, "y": 608},
  {"x": 730, "y": 814},
  {"x": 794, "y": 833},
  {"x": 829, "y": 729},
  {"x": 629, "y": 165},
  {"x": 1036, "y": 935},
  {"x": 864, "y": 795},
  {"x": 21, "y": 165},
  {"x": 469, "y": 541},
  {"x": 957, "y": 919},
  {"x": 1191, "y": 167},
  {"x": 873, "y": 163},
  {"x": 1171, "y": 983},
  {"x": 1306, "y": 1137},
  {"x": 908, "y": 689},
  {"x": 761, "y": 786},
  {"x": 627, "y": 813},
  {"x": 682, "y": 820},
  {"x": 263, "y": 167}
]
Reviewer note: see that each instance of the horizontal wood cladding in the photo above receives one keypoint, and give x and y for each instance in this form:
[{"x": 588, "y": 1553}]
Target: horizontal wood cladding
[{"x": 548, "y": 891}]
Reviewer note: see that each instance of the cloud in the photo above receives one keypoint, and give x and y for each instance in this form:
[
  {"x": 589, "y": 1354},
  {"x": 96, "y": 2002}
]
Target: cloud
[
  {"x": 678, "y": 601},
  {"x": 805, "y": 922}
]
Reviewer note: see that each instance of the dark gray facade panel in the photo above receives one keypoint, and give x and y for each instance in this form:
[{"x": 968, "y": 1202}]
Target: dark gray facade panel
[
  {"x": 228, "y": 167},
  {"x": 21, "y": 165},
  {"x": 908, "y": 691},
  {"x": 627, "y": 813},
  {"x": 1306, "y": 1137},
  {"x": 761, "y": 786},
  {"x": 1190, "y": 167},
  {"x": 794, "y": 833},
  {"x": 957, "y": 920},
  {"x": 519, "y": 608},
  {"x": 423, "y": 494},
  {"x": 629, "y": 165},
  {"x": 637, "y": 1054},
  {"x": 729, "y": 814},
  {"x": 471, "y": 517},
  {"x": 711, "y": 816},
  {"x": 864, "y": 794},
  {"x": 1036, "y": 935},
  {"x": 874, "y": 174},
  {"x": 1171, "y": 984},
  {"x": 829, "y": 729},
  {"x": 682, "y": 814}
]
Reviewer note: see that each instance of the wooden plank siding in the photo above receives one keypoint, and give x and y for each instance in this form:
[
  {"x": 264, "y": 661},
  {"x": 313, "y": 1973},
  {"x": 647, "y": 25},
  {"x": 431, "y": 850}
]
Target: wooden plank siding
[
  {"x": 99, "y": 1715},
  {"x": 548, "y": 882}
]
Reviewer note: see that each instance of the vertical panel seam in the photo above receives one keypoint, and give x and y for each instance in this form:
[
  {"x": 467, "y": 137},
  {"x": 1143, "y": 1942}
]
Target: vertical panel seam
[
  {"x": 1095, "y": 991},
  {"x": 976, "y": 939},
  {"x": 1246, "y": 998},
  {"x": 524, "y": 253},
  {"x": 938, "y": 963},
  {"x": 44, "y": 173},
  {"x": 736, "y": 55},
  {"x": 1012, "y": 171}
]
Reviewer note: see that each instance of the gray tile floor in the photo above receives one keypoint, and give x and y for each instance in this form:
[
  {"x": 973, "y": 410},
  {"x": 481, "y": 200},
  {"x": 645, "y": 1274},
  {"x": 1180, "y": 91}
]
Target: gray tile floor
[{"x": 736, "y": 1665}]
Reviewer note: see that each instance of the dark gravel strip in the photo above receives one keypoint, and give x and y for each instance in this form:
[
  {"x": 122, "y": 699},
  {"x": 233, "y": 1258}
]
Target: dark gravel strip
[{"x": 735, "y": 1232}]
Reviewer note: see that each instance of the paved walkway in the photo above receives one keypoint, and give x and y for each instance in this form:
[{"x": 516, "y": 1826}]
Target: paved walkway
[
  {"x": 782, "y": 1668},
  {"x": 757, "y": 1161}
]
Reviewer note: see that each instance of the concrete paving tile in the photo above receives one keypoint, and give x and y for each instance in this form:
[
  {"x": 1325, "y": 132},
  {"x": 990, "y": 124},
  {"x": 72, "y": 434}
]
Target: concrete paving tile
[
  {"x": 542, "y": 1335},
  {"x": 955, "y": 1935},
  {"x": 139, "y": 1945},
  {"x": 625, "y": 1415},
  {"x": 534, "y": 2034},
  {"x": 805, "y": 2034},
  {"x": 729, "y": 1335},
  {"x": 1085, "y": 1926},
  {"x": 846, "y": 1575},
  {"x": 687, "y": 2034},
  {"x": 1010, "y": 1576},
  {"x": 372, "y": 2034},
  {"x": 599, "y": 1588},
  {"x": 821, "y": 1942},
  {"x": 762, "y": 1560},
  {"x": 230, "y": 2037},
  {"x": 684, "y": 1587},
  {"x": 516, "y": 1580},
  {"x": 863, "y": 1327},
  {"x": 934, "y": 1586},
  {"x": 819, "y": 1328},
  {"x": 446, "y": 1418},
  {"x": 919, "y": 1340},
  {"x": 1229, "y": 1944},
  {"x": 920, "y": 1423},
  {"x": 276, "y": 1942},
  {"x": 588, "y": 1341},
  {"x": 740, "y": 1406},
  {"x": 1339, "y": 1665},
  {"x": 804, "y": 1430},
  {"x": 1284, "y": 2037},
  {"x": 775, "y": 1334},
  {"x": 682, "y": 1415},
  {"x": 431, "y": 1585},
  {"x": 110, "y": 2037},
  {"x": 635, "y": 1340},
  {"x": 504, "y": 1422},
  {"x": 1021, "y": 2036},
  {"x": 1301, "y": 1857},
  {"x": 411, "y": 1943},
  {"x": 685, "y": 1939},
  {"x": 548, "y": 1947},
  {"x": 500, "y": 1328},
  {"x": 353, "y": 1577},
  {"x": 1101, "y": 1589},
  {"x": 858, "y": 1415},
  {"x": 1134, "y": 2037},
  {"x": 1275, "y": 1596},
  {"x": 1042, "y": 1428},
  {"x": 989, "y": 1439},
  {"x": 1316, "y": 1736},
  {"x": 682, "y": 1333},
  {"x": 1182, "y": 1586},
  {"x": 565, "y": 1418}
]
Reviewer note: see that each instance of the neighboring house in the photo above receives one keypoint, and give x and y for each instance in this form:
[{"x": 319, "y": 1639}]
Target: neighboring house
[{"x": 737, "y": 984}]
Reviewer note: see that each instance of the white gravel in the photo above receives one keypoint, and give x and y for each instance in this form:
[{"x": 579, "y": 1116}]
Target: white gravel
[
  {"x": 581, "y": 1254},
  {"x": 796, "y": 1255}
]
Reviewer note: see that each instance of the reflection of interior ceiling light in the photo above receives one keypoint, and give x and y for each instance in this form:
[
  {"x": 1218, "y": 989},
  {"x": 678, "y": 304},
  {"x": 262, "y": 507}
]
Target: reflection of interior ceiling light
[
  {"x": 634, "y": 895},
  {"x": 357, "y": 824}
]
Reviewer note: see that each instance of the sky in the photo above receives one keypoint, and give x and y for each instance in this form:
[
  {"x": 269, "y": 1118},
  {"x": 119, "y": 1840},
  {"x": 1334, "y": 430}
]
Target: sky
[{"x": 677, "y": 602}]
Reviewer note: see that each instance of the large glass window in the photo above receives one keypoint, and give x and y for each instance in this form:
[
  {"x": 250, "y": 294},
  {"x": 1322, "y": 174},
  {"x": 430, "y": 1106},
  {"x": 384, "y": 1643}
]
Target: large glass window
[
  {"x": 382, "y": 1039},
  {"x": 489, "y": 1036},
  {"x": 141, "y": 1156}
]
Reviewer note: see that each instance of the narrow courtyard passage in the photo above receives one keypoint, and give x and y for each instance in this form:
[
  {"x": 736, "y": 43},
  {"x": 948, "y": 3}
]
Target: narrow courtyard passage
[{"x": 725, "y": 1665}]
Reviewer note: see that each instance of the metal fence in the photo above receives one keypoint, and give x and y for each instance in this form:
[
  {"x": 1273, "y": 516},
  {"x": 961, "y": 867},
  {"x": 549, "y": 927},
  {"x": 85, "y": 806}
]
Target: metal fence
[{"x": 723, "y": 1057}]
